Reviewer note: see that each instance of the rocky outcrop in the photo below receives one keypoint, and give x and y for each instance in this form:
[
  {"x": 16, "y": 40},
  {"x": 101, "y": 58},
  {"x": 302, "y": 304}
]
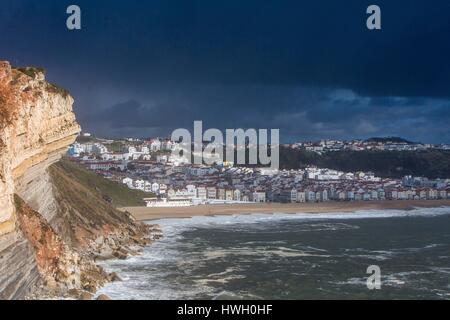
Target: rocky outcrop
[
  {"x": 49, "y": 233},
  {"x": 60, "y": 268}
]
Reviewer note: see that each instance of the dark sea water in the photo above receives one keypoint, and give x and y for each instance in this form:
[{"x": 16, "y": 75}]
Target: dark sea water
[{"x": 293, "y": 257}]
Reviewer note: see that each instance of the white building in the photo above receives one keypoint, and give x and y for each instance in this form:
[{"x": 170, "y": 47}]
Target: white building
[
  {"x": 128, "y": 182},
  {"x": 155, "y": 145},
  {"x": 139, "y": 185},
  {"x": 301, "y": 196},
  {"x": 324, "y": 195},
  {"x": 258, "y": 196},
  {"x": 191, "y": 191},
  {"x": 202, "y": 193},
  {"x": 99, "y": 149},
  {"x": 211, "y": 193},
  {"x": 237, "y": 195},
  {"x": 168, "y": 145},
  {"x": 162, "y": 188},
  {"x": 310, "y": 196},
  {"x": 155, "y": 187},
  {"x": 148, "y": 187},
  {"x": 115, "y": 156},
  {"x": 132, "y": 150},
  {"x": 106, "y": 165}
]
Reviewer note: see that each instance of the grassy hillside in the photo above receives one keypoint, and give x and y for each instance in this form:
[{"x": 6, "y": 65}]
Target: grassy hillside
[
  {"x": 119, "y": 195},
  {"x": 85, "y": 210}
]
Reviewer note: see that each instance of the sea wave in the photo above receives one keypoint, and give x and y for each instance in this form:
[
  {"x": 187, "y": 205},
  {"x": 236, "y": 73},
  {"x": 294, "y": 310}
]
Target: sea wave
[
  {"x": 174, "y": 268},
  {"x": 172, "y": 226}
]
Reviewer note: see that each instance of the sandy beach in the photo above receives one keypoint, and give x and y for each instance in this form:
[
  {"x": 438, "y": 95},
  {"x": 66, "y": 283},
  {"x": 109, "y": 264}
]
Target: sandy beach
[{"x": 144, "y": 213}]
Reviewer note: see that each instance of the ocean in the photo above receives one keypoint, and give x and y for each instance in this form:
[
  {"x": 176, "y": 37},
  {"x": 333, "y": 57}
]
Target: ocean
[{"x": 280, "y": 256}]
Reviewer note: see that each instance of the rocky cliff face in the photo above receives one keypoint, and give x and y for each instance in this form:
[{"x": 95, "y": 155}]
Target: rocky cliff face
[
  {"x": 37, "y": 220},
  {"x": 36, "y": 125}
]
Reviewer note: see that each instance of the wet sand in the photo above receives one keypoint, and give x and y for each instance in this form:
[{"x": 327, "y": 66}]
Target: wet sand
[{"x": 144, "y": 213}]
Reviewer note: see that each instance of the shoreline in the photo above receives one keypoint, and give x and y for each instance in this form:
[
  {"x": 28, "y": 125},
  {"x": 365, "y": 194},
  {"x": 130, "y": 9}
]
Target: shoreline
[{"x": 149, "y": 214}]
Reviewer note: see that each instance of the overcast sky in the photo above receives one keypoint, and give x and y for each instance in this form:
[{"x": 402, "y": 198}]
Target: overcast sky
[{"x": 310, "y": 68}]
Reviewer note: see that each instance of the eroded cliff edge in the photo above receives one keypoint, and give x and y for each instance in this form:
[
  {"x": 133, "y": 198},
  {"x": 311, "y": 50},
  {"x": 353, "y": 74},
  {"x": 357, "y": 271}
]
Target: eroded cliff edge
[{"x": 51, "y": 227}]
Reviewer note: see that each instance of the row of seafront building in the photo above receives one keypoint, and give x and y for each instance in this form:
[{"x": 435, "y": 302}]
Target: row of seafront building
[{"x": 150, "y": 167}]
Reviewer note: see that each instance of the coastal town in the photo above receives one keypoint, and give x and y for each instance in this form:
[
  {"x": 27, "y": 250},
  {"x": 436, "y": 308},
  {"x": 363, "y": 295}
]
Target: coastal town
[
  {"x": 385, "y": 144},
  {"x": 149, "y": 166}
]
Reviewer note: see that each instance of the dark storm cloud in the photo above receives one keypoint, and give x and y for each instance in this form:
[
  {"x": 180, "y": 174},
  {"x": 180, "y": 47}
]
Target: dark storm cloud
[
  {"x": 300, "y": 112},
  {"x": 133, "y": 114},
  {"x": 310, "y": 67}
]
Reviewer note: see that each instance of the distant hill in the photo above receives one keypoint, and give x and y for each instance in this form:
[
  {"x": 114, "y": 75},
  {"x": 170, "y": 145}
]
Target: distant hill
[
  {"x": 390, "y": 164},
  {"x": 389, "y": 140}
]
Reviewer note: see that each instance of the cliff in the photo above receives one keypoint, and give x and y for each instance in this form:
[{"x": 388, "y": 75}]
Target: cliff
[
  {"x": 36, "y": 124},
  {"x": 52, "y": 228}
]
